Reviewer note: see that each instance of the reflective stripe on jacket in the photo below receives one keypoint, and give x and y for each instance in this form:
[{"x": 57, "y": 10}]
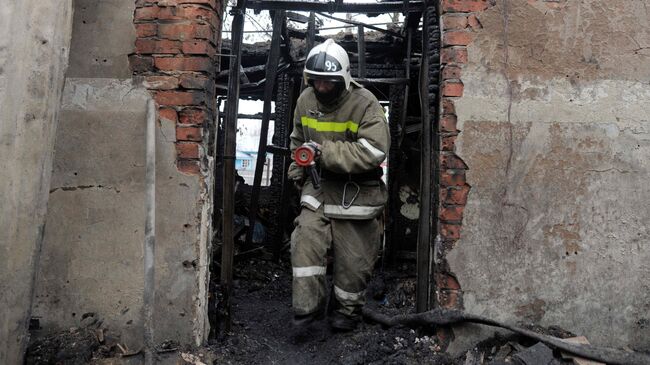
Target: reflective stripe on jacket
[{"x": 355, "y": 139}]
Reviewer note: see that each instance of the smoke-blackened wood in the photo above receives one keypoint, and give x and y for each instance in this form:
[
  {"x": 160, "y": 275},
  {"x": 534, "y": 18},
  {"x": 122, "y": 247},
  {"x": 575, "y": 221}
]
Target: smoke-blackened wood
[
  {"x": 230, "y": 127},
  {"x": 446, "y": 317},
  {"x": 271, "y": 73}
]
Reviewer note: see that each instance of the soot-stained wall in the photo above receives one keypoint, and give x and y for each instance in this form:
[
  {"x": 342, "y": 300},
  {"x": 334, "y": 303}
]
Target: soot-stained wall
[{"x": 554, "y": 126}]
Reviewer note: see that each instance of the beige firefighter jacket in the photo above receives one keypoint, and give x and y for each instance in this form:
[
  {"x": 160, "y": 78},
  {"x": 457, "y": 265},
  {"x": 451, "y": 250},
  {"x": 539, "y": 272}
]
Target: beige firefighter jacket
[{"x": 355, "y": 139}]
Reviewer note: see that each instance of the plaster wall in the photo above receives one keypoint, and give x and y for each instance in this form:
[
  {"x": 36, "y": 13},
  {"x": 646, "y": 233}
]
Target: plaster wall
[
  {"x": 556, "y": 132},
  {"x": 92, "y": 255},
  {"x": 34, "y": 44}
]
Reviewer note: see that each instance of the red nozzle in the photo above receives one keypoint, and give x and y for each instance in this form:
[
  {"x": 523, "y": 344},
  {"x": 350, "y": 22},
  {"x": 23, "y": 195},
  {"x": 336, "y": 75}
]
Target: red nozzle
[{"x": 304, "y": 156}]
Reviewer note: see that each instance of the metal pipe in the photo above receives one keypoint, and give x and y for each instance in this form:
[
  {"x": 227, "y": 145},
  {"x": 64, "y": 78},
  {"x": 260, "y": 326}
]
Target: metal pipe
[
  {"x": 271, "y": 72},
  {"x": 230, "y": 133},
  {"x": 150, "y": 233}
]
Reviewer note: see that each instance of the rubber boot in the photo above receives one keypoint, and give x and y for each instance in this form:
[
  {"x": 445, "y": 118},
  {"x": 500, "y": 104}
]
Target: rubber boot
[{"x": 343, "y": 323}]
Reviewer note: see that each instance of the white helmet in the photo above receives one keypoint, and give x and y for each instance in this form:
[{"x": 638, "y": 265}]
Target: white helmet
[{"x": 328, "y": 61}]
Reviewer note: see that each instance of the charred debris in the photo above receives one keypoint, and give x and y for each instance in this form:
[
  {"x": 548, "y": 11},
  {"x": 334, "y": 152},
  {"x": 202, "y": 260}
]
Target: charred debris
[{"x": 397, "y": 64}]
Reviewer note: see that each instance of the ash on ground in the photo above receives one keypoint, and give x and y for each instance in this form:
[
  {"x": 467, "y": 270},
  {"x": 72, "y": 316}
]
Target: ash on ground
[{"x": 262, "y": 332}]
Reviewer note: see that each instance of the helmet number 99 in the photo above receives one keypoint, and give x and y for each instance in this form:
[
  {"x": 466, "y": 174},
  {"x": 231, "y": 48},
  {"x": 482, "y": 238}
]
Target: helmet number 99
[{"x": 330, "y": 66}]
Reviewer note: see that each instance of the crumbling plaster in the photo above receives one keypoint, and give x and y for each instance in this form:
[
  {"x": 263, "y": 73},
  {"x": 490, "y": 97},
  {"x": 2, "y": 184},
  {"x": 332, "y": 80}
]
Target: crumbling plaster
[
  {"x": 555, "y": 131},
  {"x": 34, "y": 44},
  {"x": 95, "y": 224}
]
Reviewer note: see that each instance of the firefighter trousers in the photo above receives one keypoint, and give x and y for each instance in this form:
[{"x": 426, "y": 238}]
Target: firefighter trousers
[{"x": 355, "y": 245}]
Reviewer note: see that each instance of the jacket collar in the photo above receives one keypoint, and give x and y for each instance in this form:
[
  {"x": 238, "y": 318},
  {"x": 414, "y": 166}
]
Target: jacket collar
[{"x": 336, "y": 104}]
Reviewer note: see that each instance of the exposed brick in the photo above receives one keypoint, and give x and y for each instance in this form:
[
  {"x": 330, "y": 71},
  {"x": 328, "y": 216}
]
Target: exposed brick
[
  {"x": 448, "y": 106},
  {"x": 199, "y": 47},
  {"x": 185, "y": 32},
  {"x": 140, "y": 64},
  {"x": 446, "y": 281},
  {"x": 194, "y": 81},
  {"x": 146, "y": 13},
  {"x": 160, "y": 82},
  {"x": 451, "y": 22},
  {"x": 451, "y": 213},
  {"x": 168, "y": 115},
  {"x": 448, "y": 123},
  {"x": 450, "y": 299},
  {"x": 212, "y": 3},
  {"x": 451, "y": 161},
  {"x": 146, "y": 30},
  {"x": 457, "y": 38},
  {"x": 187, "y": 149},
  {"x": 444, "y": 337},
  {"x": 452, "y": 88},
  {"x": 189, "y": 134},
  {"x": 141, "y": 3},
  {"x": 453, "y": 55},
  {"x": 198, "y": 13},
  {"x": 449, "y": 231},
  {"x": 442, "y": 195},
  {"x": 190, "y": 167},
  {"x": 447, "y": 143},
  {"x": 184, "y": 63},
  {"x": 192, "y": 116},
  {"x": 176, "y": 98},
  {"x": 457, "y": 195},
  {"x": 465, "y": 5},
  {"x": 170, "y": 13},
  {"x": 474, "y": 22},
  {"x": 150, "y": 46},
  {"x": 446, "y": 246},
  {"x": 451, "y": 72},
  {"x": 452, "y": 178}
]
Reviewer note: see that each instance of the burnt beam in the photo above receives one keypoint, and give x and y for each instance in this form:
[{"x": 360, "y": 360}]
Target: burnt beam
[
  {"x": 386, "y": 81},
  {"x": 297, "y": 17},
  {"x": 228, "y": 205},
  {"x": 271, "y": 74},
  {"x": 335, "y": 7},
  {"x": 425, "y": 221},
  {"x": 369, "y": 26}
]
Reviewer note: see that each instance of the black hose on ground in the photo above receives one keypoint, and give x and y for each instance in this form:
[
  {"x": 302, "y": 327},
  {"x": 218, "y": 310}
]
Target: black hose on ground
[{"x": 445, "y": 317}]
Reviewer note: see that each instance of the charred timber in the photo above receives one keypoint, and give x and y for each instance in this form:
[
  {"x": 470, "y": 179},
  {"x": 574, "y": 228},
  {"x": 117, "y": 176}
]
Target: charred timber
[
  {"x": 386, "y": 81},
  {"x": 230, "y": 133},
  {"x": 446, "y": 317},
  {"x": 271, "y": 74},
  {"x": 335, "y": 7},
  {"x": 300, "y": 34},
  {"x": 369, "y": 26}
]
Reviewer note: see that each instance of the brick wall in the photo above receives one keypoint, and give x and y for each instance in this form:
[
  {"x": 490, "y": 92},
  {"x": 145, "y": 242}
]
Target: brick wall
[
  {"x": 175, "y": 54},
  {"x": 460, "y": 21}
]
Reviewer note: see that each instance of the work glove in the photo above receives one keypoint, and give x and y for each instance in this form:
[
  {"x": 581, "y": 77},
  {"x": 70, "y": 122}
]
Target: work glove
[
  {"x": 297, "y": 175},
  {"x": 316, "y": 147}
]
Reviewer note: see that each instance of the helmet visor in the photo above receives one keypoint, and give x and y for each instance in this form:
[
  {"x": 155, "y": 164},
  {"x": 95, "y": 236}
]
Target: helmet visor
[{"x": 310, "y": 76}]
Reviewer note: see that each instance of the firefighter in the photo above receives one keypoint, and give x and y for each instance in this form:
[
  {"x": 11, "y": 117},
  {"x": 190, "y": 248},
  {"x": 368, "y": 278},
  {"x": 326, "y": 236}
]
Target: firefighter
[{"x": 346, "y": 126}]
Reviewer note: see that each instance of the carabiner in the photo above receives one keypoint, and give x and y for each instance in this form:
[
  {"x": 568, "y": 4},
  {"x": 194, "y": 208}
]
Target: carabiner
[{"x": 345, "y": 188}]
